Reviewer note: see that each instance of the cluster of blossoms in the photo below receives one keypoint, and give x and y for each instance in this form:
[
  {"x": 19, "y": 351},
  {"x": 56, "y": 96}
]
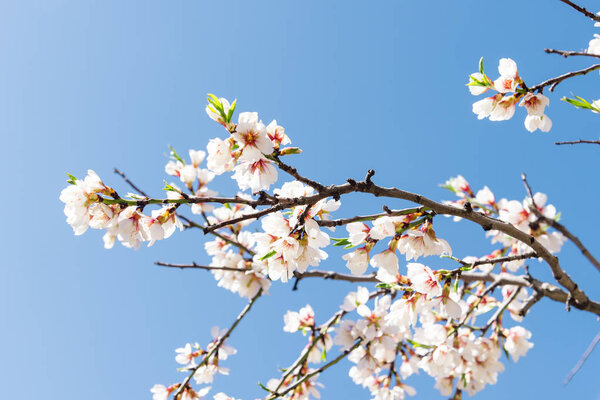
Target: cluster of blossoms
[
  {"x": 394, "y": 339},
  {"x": 204, "y": 372},
  {"x": 419, "y": 319},
  {"x": 292, "y": 242},
  {"x": 518, "y": 213},
  {"x": 510, "y": 89},
  {"x": 86, "y": 207},
  {"x": 249, "y": 149},
  {"x": 410, "y": 235}
]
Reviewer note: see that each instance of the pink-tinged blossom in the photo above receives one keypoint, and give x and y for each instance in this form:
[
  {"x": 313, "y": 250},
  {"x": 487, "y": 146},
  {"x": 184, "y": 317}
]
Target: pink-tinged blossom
[
  {"x": 187, "y": 355},
  {"x": 277, "y": 134},
  {"x": 383, "y": 227},
  {"x": 509, "y": 76},
  {"x": 78, "y": 199},
  {"x": 255, "y": 174},
  {"x": 535, "y": 122},
  {"x": 357, "y": 261},
  {"x": 295, "y": 321},
  {"x": 219, "y": 157},
  {"x": 534, "y": 103},
  {"x": 484, "y": 108},
  {"x": 355, "y": 299},
  {"x": 251, "y": 136},
  {"x": 131, "y": 231},
  {"x": 422, "y": 242},
  {"x": 485, "y": 197},
  {"x": 358, "y": 232},
  {"x": 460, "y": 186},
  {"x": 517, "y": 344},
  {"x": 423, "y": 280},
  {"x": 161, "y": 392},
  {"x": 387, "y": 260},
  {"x": 504, "y": 109}
]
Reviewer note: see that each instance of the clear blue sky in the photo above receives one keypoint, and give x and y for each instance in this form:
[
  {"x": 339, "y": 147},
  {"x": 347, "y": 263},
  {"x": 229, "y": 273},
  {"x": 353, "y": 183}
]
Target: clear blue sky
[{"x": 357, "y": 85}]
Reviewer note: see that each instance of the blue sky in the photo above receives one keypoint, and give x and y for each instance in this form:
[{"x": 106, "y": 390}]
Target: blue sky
[{"x": 357, "y": 85}]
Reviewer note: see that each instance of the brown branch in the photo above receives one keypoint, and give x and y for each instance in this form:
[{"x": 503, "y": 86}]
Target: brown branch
[
  {"x": 579, "y": 142},
  {"x": 133, "y": 186},
  {"x": 568, "y": 53},
  {"x": 560, "y": 227},
  {"x": 582, "y": 10},
  {"x": 217, "y": 345},
  {"x": 317, "y": 371},
  {"x": 294, "y": 172},
  {"x": 553, "y": 82},
  {"x": 196, "y": 266},
  {"x": 494, "y": 318},
  {"x": 360, "y": 218},
  {"x": 584, "y": 357}
]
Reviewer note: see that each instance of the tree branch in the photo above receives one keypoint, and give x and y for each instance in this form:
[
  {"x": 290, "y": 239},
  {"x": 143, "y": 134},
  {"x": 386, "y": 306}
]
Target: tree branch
[
  {"x": 560, "y": 227},
  {"x": 579, "y": 142},
  {"x": 568, "y": 53},
  {"x": 555, "y": 81},
  {"x": 584, "y": 357},
  {"x": 218, "y": 344},
  {"x": 316, "y": 371},
  {"x": 582, "y": 10}
]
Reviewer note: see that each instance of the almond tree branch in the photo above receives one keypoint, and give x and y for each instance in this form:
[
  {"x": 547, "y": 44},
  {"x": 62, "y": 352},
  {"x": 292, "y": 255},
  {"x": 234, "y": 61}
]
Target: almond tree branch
[
  {"x": 197, "y": 266},
  {"x": 584, "y": 357},
  {"x": 560, "y": 227},
  {"x": 553, "y": 82},
  {"x": 316, "y": 371},
  {"x": 323, "y": 331},
  {"x": 294, "y": 172},
  {"x": 360, "y": 218},
  {"x": 579, "y": 142},
  {"x": 217, "y": 345},
  {"x": 494, "y": 318},
  {"x": 186, "y": 219},
  {"x": 568, "y": 53},
  {"x": 582, "y": 10},
  {"x": 580, "y": 299}
]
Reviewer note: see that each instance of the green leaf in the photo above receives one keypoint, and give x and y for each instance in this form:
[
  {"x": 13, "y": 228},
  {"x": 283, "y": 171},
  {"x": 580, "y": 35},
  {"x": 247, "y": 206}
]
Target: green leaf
[
  {"x": 170, "y": 188},
  {"x": 176, "y": 156},
  {"x": 481, "y": 65},
  {"x": 324, "y": 354},
  {"x": 341, "y": 242},
  {"x": 72, "y": 180},
  {"x": 582, "y": 103},
  {"x": 231, "y": 109},
  {"x": 384, "y": 285},
  {"x": 268, "y": 255},
  {"x": 415, "y": 344}
]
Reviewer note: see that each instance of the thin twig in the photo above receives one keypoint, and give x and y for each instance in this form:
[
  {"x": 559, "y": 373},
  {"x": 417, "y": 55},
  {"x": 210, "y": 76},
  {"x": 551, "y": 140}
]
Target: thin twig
[
  {"x": 584, "y": 357},
  {"x": 555, "y": 81},
  {"x": 560, "y": 227},
  {"x": 582, "y": 10},
  {"x": 133, "y": 186},
  {"x": 360, "y": 218},
  {"x": 568, "y": 53},
  {"x": 217, "y": 345},
  {"x": 294, "y": 172},
  {"x": 579, "y": 142},
  {"x": 499, "y": 312},
  {"x": 316, "y": 371},
  {"x": 197, "y": 266}
]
